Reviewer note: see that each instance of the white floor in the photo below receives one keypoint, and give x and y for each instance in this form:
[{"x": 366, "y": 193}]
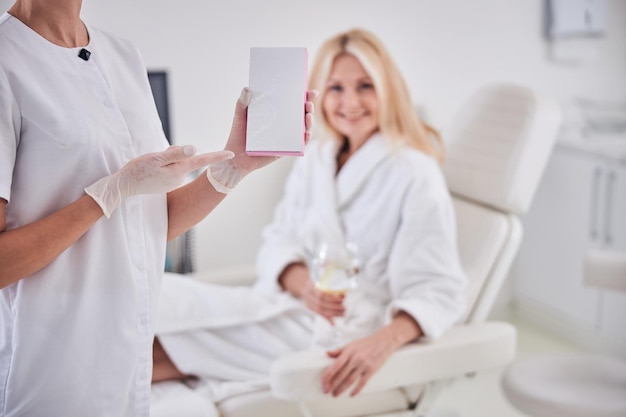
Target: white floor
[{"x": 482, "y": 396}]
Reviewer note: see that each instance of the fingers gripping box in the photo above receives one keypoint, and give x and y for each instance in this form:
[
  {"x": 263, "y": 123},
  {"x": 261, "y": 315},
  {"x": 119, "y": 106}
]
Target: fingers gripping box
[{"x": 278, "y": 83}]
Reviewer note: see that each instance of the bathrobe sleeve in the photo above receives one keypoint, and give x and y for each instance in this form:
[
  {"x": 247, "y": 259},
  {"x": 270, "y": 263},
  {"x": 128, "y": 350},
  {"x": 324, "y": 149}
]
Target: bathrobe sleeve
[
  {"x": 282, "y": 239},
  {"x": 427, "y": 280}
]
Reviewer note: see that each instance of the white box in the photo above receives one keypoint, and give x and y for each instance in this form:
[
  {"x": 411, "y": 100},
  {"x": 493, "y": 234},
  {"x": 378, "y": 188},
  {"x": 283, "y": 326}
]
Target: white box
[{"x": 278, "y": 84}]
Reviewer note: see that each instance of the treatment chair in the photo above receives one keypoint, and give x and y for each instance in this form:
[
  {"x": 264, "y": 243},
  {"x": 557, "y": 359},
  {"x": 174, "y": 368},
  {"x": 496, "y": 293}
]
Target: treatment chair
[{"x": 498, "y": 146}]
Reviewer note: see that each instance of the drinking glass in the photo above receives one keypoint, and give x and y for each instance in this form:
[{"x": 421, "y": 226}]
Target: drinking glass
[{"x": 335, "y": 269}]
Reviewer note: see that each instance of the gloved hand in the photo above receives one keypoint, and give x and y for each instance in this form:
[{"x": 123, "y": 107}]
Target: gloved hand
[
  {"x": 225, "y": 175},
  {"x": 152, "y": 173}
]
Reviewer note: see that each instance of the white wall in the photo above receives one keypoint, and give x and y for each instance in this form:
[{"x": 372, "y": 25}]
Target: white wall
[{"x": 445, "y": 48}]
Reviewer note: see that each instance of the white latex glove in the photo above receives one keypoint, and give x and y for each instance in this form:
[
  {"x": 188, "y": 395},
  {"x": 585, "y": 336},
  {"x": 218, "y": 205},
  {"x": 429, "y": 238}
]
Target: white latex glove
[
  {"x": 225, "y": 175},
  {"x": 152, "y": 173}
]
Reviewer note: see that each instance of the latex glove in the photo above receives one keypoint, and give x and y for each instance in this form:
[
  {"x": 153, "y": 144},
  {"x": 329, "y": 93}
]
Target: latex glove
[
  {"x": 152, "y": 173},
  {"x": 224, "y": 176}
]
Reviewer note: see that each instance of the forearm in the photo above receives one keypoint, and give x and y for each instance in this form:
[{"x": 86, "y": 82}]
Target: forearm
[
  {"x": 188, "y": 205},
  {"x": 29, "y": 248},
  {"x": 295, "y": 279},
  {"x": 402, "y": 330}
]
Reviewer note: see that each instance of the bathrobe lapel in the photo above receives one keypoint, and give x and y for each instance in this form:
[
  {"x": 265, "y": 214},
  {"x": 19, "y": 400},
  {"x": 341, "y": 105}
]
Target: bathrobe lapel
[
  {"x": 329, "y": 225},
  {"x": 355, "y": 173},
  {"x": 336, "y": 192}
]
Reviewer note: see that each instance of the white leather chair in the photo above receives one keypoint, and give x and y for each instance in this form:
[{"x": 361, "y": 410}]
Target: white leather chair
[
  {"x": 579, "y": 384},
  {"x": 498, "y": 146}
]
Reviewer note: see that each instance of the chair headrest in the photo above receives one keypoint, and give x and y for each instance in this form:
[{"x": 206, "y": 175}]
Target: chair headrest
[{"x": 499, "y": 144}]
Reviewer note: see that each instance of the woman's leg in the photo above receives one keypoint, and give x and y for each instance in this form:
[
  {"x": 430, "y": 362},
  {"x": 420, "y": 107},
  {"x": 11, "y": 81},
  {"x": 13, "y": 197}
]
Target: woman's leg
[
  {"x": 163, "y": 368},
  {"x": 235, "y": 353}
]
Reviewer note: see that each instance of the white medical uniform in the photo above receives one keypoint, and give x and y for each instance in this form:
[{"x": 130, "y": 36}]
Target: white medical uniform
[
  {"x": 393, "y": 203},
  {"x": 76, "y": 336}
]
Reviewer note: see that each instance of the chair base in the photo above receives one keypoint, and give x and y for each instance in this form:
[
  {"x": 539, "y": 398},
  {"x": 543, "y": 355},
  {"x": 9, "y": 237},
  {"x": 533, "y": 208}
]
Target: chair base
[{"x": 570, "y": 385}]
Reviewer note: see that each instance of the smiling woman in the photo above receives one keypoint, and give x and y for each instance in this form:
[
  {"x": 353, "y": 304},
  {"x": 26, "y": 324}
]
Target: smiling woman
[
  {"x": 376, "y": 164},
  {"x": 363, "y": 91},
  {"x": 351, "y": 104}
]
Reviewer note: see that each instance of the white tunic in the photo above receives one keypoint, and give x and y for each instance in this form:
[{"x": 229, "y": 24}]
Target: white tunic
[
  {"x": 76, "y": 336},
  {"x": 393, "y": 203}
]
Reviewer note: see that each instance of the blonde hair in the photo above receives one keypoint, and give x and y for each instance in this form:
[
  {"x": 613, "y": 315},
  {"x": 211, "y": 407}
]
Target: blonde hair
[{"x": 398, "y": 120}]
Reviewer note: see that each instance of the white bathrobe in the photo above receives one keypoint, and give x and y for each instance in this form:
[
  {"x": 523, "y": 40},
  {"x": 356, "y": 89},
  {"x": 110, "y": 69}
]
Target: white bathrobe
[{"x": 391, "y": 201}]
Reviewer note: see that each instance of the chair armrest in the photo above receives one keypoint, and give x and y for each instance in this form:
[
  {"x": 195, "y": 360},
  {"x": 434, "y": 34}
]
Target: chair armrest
[
  {"x": 463, "y": 349},
  {"x": 237, "y": 275}
]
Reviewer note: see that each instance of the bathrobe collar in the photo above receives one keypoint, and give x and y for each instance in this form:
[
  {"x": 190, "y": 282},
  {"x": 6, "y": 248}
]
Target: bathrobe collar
[
  {"x": 340, "y": 189},
  {"x": 359, "y": 167}
]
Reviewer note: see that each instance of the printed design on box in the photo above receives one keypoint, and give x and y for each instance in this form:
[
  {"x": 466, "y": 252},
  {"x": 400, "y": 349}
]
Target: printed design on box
[{"x": 266, "y": 114}]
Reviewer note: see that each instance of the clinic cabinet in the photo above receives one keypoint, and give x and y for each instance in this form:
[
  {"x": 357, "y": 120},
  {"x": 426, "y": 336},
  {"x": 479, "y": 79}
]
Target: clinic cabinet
[{"x": 579, "y": 204}]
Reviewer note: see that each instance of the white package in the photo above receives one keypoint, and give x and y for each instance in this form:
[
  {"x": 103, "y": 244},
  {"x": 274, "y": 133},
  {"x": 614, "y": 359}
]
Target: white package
[{"x": 278, "y": 83}]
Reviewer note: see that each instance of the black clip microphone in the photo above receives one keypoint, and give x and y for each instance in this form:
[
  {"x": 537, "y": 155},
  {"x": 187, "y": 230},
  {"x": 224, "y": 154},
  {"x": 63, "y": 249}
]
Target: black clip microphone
[{"x": 84, "y": 54}]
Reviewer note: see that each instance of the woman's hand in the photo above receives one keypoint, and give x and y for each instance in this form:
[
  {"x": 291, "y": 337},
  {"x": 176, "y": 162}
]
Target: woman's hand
[
  {"x": 356, "y": 362},
  {"x": 226, "y": 176},
  {"x": 325, "y": 304},
  {"x": 297, "y": 280},
  {"x": 157, "y": 172},
  {"x": 237, "y": 138}
]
